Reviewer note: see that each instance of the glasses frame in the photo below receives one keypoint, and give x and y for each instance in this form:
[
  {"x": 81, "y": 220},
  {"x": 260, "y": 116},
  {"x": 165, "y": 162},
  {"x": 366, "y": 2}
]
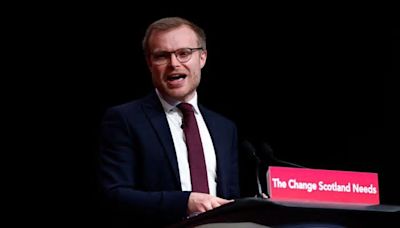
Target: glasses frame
[{"x": 167, "y": 60}]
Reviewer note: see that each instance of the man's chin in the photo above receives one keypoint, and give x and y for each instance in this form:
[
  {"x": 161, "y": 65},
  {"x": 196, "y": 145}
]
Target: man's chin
[{"x": 179, "y": 94}]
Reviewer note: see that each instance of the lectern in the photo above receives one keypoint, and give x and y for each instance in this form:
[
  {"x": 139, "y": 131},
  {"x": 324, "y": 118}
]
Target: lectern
[{"x": 272, "y": 213}]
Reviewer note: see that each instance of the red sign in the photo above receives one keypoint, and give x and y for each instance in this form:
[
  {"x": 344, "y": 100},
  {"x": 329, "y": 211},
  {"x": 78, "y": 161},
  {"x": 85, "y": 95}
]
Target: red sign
[{"x": 317, "y": 185}]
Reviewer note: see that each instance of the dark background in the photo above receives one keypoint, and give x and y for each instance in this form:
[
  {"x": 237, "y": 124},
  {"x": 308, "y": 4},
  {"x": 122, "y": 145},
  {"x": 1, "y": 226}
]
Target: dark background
[{"x": 317, "y": 85}]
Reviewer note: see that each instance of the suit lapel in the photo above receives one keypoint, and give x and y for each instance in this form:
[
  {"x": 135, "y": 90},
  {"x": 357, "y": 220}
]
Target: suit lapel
[
  {"x": 155, "y": 113},
  {"x": 218, "y": 142}
]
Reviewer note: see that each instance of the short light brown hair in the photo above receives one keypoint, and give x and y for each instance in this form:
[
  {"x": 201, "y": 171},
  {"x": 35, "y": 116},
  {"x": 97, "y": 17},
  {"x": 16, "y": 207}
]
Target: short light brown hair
[{"x": 167, "y": 23}]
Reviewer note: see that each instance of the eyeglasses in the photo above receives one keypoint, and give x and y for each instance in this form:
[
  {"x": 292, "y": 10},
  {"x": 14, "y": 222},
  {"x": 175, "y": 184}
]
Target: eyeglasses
[{"x": 183, "y": 55}]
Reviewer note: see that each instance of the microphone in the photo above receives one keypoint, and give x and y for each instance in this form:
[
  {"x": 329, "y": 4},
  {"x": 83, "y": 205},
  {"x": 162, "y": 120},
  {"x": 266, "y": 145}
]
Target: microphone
[
  {"x": 267, "y": 155},
  {"x": 252, "y": 151}
]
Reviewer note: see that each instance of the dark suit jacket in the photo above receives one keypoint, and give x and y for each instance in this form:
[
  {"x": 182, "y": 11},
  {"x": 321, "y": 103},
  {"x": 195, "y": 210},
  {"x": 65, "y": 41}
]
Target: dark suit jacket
[{"x": 139, "y": 168}]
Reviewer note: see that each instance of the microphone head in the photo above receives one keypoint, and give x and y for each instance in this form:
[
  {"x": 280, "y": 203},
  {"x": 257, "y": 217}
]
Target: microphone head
[
  {"x": 266, "y": 153},
  {"x": 249, "y": 148}
]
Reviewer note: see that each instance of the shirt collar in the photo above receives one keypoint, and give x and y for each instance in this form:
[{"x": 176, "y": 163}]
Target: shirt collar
[{"x": 168, "y": 106}]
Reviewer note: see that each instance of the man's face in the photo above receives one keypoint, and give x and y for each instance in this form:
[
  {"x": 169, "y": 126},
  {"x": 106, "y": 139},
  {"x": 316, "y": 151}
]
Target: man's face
[{"x": 175, "y": 80}]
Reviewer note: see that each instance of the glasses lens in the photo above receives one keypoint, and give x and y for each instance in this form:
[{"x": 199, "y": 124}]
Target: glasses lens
[
  {"x": 160, "y": 58},
  {"x": 183, "y": 54}
]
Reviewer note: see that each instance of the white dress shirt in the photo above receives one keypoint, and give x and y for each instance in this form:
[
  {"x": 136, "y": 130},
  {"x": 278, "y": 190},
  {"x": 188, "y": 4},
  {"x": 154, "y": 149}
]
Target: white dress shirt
[{"x": 174, "y": 117}]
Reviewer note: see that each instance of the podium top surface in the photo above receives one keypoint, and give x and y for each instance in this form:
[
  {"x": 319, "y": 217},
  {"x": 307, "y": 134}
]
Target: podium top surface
[{"x": 272, "y": 213}]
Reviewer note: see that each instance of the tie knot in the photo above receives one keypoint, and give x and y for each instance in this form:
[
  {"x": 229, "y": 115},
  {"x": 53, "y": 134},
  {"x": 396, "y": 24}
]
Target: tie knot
[{"x": 185, "y": 107}]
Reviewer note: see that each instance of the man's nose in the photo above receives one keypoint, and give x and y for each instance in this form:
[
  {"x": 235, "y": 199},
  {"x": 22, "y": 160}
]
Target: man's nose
[{"x": 174, "y": 60}]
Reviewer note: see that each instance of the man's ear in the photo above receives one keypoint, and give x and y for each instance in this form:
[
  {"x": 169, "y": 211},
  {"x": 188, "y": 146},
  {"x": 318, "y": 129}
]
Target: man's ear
[
  {"x": 203, "y": 58},
  {"x": 149, "y": 63}
]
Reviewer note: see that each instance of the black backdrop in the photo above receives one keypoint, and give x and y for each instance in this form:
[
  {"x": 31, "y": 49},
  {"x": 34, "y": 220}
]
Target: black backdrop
[{"x": 317, "y": 85}]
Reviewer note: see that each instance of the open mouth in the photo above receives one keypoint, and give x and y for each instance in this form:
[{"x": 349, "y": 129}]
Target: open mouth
[{"x": 176, "y": 77}]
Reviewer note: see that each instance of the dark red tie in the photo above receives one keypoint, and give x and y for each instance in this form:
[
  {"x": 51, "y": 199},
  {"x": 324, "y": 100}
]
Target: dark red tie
[{"x": 197, "y": 165}]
